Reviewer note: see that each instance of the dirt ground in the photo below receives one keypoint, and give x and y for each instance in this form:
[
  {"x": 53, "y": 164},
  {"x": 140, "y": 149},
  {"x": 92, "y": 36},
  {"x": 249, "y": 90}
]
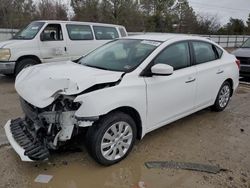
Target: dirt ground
[{"x": 205, "y": 137}]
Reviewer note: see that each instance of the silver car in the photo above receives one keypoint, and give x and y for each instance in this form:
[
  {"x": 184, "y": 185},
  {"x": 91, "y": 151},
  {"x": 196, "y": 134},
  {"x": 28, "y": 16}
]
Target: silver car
[{"x": 243, "y": 54}]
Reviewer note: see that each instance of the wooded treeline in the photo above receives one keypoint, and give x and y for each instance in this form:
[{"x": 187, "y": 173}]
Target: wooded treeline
[{"x": 135, "y": 15}]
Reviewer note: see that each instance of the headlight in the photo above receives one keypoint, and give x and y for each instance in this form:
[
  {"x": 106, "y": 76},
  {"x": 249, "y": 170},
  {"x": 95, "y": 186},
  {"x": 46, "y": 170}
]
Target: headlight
[{"x": 4, "y": 54}]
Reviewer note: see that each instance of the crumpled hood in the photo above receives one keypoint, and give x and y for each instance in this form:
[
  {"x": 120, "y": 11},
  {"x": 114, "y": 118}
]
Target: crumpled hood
[
  {"x": 242, "y": 52},
  {"x": 39, "y": 84}
]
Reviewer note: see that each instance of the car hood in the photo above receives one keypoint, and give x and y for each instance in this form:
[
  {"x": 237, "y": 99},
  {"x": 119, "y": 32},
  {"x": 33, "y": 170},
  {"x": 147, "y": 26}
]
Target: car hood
[
  {"x": 242, "y": 52},
  {"x": 8, "y": 43},
  {"x": 40, "y": 84}
]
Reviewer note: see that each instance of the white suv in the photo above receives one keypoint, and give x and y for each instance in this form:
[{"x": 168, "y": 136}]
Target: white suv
[
  {"x": 51, "y": 41},
  {"x": 118, "y": 93}
]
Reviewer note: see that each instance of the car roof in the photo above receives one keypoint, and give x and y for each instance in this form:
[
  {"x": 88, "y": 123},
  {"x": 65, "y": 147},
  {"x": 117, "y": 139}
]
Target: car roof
[
  {"x": 164, "y": 37},
  {"x": 78, "y": 22}
]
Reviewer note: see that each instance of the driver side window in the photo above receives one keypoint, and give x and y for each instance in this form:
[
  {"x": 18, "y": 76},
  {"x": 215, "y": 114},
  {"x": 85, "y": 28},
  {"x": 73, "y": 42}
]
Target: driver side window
[
  {"x": 176, "y": 55},
  {"x": 52, "y": 32}
]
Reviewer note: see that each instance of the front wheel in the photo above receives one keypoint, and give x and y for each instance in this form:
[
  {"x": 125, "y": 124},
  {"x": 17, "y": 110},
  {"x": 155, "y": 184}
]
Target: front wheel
[
  {"x": 112, "y": 138},
  {"x": 24, "y": 63},
  {"x": 223, "y": 97}
]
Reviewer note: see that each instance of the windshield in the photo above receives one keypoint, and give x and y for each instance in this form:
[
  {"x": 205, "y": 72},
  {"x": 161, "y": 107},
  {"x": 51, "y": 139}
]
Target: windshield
[
  {"x": 120, "y": 55},
  {"x": 29, "y": 32},
  {"x": 246, "y": 44}
]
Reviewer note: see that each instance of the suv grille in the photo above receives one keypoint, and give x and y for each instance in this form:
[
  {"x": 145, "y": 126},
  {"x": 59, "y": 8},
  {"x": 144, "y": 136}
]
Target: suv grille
[{"x": 244, "y": 60}]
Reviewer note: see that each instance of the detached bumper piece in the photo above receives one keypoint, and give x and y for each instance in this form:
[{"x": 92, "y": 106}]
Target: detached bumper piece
[{"x": 24, "y": 143}]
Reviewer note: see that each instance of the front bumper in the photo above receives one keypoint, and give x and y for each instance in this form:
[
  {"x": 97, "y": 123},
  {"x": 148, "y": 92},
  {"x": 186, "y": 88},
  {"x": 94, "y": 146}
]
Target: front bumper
[
  {"x": 244, "y": 70},
  {"x": 7, "y": 67},
  {"x": 23, "y": 142}
]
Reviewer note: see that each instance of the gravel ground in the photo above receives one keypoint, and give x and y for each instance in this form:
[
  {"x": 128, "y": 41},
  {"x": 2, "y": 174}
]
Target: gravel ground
[{"x": 205, "y": 137}]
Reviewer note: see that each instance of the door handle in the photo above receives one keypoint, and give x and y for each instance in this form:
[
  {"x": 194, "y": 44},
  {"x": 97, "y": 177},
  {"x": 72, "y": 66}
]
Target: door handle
[
  {"x": 220, "y": 71},
  {"x": 65, "y": 49},
  {"x": 190, "y": 80}
]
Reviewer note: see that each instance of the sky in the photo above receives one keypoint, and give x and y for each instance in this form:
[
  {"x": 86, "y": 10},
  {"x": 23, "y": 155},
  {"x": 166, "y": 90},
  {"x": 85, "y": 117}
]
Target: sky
[{"x": 224, "y": 9}]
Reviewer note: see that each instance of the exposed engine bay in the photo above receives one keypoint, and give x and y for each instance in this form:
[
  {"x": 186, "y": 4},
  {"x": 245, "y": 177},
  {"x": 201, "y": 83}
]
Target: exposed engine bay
[{"x": 47, "y": 129}]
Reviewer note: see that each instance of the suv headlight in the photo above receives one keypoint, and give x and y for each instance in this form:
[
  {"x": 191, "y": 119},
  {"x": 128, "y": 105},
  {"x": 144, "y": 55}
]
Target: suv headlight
[{"x": 4, "y": 54}]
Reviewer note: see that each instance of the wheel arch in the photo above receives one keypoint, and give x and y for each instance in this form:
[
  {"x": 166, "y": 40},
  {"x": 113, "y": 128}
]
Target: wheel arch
[
  {"x": 230, "y": 81},
  {"x": 34, "y": 57},
  {"x": 135, "y": 115},
  {"x": 29, "y": 57}
]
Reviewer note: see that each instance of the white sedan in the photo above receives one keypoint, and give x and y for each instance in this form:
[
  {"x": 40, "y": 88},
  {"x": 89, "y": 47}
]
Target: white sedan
[{"x": 118, "y": 93}]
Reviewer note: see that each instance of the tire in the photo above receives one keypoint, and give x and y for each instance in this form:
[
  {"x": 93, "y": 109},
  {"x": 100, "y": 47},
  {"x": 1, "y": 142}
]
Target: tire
[
  {"x": 102, "y": 133},
  {"x": 223, "y": 97},
  {"x": 24, "y": 63}
]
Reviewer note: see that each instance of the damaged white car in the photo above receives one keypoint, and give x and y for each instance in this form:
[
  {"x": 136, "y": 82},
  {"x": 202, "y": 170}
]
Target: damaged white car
[{"x": 118, "y": 93}]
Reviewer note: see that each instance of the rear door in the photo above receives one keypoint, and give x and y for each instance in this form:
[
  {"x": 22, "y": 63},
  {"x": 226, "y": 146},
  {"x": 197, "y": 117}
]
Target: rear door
[
  {"x": 104, "y": 34},
  {"x": 52, "y": 44},
  {"x": 210, "y": 72},
  {"x": 80, "y": 40}
]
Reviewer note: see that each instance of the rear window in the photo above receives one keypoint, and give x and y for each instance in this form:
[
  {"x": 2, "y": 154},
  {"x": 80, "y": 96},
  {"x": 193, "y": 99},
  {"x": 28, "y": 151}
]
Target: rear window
[
  {"x": 203, "y": 52},
  {"x": 105, "y": 33},
  {"x": 79, "y": 32}
]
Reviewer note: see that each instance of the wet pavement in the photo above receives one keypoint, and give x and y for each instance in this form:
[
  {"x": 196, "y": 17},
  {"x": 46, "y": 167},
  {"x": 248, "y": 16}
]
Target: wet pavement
[{"x": 205, "y": 137}]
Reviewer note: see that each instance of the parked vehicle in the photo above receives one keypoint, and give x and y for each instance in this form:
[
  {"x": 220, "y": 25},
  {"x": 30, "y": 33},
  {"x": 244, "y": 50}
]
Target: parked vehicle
[
  {"x": 119, "y": 92},
  {"x": 243, "y": 54},
  {"x": 52, "y": 41}
]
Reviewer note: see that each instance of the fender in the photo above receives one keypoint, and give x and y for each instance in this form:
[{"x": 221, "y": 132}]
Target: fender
[{"x": 101, "y": 102}]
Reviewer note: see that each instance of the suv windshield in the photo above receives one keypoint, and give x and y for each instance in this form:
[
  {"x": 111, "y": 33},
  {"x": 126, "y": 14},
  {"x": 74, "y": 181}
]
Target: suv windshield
[
  {"x": 246, "y": 44},
  {"x": 29, "y": 32},
  {"x": 120, "y": 55}
]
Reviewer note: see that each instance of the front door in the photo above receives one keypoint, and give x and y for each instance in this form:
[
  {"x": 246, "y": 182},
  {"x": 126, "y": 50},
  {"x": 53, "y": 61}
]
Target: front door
[
  {"x": 52, "y": 44},
  {"x": 170, "y": 97}
]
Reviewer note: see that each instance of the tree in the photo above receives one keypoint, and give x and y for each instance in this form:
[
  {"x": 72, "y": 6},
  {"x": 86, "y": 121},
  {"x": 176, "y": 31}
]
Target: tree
[
  {"x": 158, "y": 15},
  {"x": 248, "y": 25},
  {"x": 16, "y": 13},
  {"x": 187, "y": 19},
  {"x": 86, "y": 10},
  {"x": 51, "y": 10},
  {"x": 235, "y": 26},
  {"x": 208, "y": 24}
]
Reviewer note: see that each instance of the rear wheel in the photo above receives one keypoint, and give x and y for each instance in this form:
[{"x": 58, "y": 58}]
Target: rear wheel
[
  {"x": 24, "y": 63},
  {"x": 223, "y": 97},
  {"x": 112, "y": 138}
]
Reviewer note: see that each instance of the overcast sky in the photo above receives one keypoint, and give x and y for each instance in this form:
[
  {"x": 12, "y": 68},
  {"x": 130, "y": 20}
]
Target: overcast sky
[{"x": 224, "y": 9}]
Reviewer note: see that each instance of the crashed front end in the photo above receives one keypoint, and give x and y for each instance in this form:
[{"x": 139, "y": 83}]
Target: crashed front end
[
  {"x": 48, "y": 94},
  {"x": 44, "y": 129}
]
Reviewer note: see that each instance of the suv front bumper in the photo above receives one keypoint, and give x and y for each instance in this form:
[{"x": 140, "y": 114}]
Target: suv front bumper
[
  {"x": 245, "y": 70},
  {"x": 7, "y": 67}
]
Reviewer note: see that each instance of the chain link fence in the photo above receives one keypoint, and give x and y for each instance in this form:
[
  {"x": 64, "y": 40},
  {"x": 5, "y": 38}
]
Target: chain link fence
[{"x": 226, "y": 41}]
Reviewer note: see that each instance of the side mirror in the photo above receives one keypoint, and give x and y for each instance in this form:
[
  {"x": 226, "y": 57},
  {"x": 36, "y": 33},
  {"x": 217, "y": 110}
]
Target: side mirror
[{"x": 162, "y": 70}]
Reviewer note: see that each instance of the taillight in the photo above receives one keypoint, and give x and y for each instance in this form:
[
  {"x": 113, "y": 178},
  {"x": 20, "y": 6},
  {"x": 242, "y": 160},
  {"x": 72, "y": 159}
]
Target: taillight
[{"x": 238, "y": 63}]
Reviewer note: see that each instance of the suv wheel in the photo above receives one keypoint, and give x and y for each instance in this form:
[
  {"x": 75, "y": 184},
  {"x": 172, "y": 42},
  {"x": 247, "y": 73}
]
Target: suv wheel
[
  {"x": 23, "y": 64},
  {"x": 223, "y": 97},
  {"x": 111, "y": 138}
]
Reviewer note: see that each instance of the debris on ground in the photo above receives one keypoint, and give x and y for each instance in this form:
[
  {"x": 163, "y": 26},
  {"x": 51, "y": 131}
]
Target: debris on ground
[
  {"x": 42, "y": 178},
  {"x": 242, "y": 130},
  {"x": 141, "y": 184},
  {"x": 185, "y": 166}
]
